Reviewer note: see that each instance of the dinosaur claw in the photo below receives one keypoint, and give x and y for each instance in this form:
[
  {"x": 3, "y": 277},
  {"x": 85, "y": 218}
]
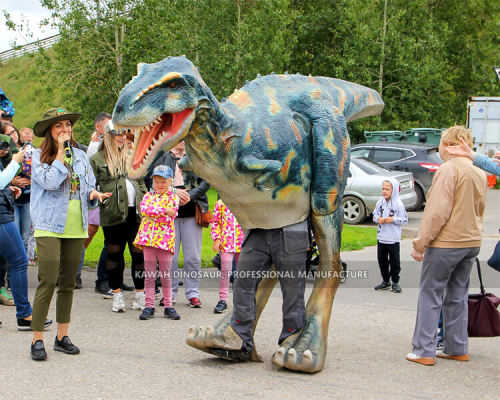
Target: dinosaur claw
[
  {"x": 279, "y": 357},
  {"x": 291, "y": 359},
  {"x": 308, "y": 356}
]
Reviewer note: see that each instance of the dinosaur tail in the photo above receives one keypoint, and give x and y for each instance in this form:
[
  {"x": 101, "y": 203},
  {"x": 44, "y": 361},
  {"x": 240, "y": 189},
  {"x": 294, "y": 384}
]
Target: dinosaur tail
[{"x": 355, "y": 101}]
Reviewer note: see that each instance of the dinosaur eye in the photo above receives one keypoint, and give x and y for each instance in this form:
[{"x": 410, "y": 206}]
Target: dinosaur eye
[{"x": 172, "y": 84}]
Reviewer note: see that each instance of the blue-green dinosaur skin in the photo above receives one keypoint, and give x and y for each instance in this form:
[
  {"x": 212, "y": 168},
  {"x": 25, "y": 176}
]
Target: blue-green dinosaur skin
[
  {"x": 276, "y": 150},
  {"x": 280, "y": 141}
]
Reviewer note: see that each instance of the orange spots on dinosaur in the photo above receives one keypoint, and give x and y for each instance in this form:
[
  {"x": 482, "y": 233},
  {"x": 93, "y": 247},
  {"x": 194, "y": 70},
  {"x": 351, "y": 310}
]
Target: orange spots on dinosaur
[
  {"x": 296, "y": 131},
  {"x": 345, "y": 145},
  {"x": 174, "y": 96},
  {"x": 274, "y": 107},
  {"x": 287, "y": 191},
  {"x": 270, "y": 143},
  {"x": 285, "y": 169},
  {"x": 371, "y": 100},
  {"x": 241, "y": 99},
  {"x": 316, "y": 94},
  {"x": 328, "y": 142},
  {"x": 248, "y": 136},
  {"x": 342, "y": 98},
  {"x": 304, "y": 171},
  {"x": 312, "y": 79},
  {"x": 332, "y": 197},
  {"x": 356, "y": 99}
]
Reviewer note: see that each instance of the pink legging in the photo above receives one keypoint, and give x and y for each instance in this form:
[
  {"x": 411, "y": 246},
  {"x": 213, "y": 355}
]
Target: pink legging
[
  {"x": 151, "y": 254},
  {"x": 226, "y": 266}
]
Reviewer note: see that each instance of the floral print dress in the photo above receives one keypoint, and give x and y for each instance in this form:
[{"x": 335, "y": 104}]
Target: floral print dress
[
  {"x": 226, "y": 228},
  {"x": 157, "y": 228}
]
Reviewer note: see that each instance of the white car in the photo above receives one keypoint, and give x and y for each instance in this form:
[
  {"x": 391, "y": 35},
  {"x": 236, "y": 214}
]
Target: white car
[{"x": 364, "y": 189}]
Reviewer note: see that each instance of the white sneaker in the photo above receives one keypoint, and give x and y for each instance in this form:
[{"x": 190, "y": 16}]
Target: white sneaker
[
  {"x": 139, "y": 302},
  {"x": 118, "y": 302}
]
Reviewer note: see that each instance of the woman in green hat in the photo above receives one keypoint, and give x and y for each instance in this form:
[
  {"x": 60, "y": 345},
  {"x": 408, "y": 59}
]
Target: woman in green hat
[{"x": 62, "y": 186}]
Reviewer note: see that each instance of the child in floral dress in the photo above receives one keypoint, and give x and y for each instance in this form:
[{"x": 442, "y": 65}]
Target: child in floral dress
[
  {"x": 156, "y": 236},
  {"x": 228, "y": 236}
]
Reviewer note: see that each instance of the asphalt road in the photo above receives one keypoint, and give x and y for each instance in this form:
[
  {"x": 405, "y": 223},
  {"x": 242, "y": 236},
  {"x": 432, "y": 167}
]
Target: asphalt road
[{"x": 370, "y": 334}]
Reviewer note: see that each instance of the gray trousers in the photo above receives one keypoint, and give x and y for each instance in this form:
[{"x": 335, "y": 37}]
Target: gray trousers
[
  {"x": 189, "y": 233},
  {"x": 286, "y": 249},
  {"x": 444, "y": 284}
]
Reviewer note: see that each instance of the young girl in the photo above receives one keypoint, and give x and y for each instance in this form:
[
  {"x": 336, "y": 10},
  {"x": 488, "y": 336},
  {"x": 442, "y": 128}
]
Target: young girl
[
  {"x": 228, "y": 237},
  {"x": 156, "y": 236}
]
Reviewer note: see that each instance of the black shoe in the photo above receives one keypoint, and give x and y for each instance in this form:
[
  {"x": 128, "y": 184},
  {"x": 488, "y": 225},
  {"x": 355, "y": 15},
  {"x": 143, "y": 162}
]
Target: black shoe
[
  {"x": 78, "y": 282},
  {"x": 396, "y": 288},
  {"x": 101, "y": 286},
  {"x": 147, "y": 313},
  {"x": 181, "y": 283},
  {"x": 220, "y": 307},
  {"x": 170, "y": 313},
  {"x": 38, "y": 352},
  {"x": 25, "y": 325},
  {"x": 383, "y": 286},
  {"x": 108, "y": 294},
  {"x": 127, "y": 288},
  {"x": 232, "y": 355},
  {"x": 65, "y": 346}
]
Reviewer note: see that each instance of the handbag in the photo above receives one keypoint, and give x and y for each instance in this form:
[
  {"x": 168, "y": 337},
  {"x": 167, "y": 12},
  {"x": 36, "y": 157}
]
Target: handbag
[
  {"x": 494, "y": 261},
  {"x": 202, "y": 218},
  {"x": 484, "y": 318}
]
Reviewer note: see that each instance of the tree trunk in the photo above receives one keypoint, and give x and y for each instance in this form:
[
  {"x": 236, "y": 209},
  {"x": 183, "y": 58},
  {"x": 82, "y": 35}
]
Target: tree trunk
[{"x": 382, "y": 52}]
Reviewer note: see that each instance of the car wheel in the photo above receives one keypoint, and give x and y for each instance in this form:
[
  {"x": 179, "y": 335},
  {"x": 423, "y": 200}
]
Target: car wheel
[
  {"x": 420, "y": 198},
  {"x": 354, "y": 210}
]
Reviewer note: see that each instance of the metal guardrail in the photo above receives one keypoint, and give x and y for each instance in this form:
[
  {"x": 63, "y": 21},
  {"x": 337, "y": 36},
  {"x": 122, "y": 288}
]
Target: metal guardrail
[{"x": 32, "y": 47}]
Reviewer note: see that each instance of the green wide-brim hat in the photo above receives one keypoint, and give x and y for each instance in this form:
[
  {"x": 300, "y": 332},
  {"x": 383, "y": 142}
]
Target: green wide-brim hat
[{"x": 52, "y": 116}]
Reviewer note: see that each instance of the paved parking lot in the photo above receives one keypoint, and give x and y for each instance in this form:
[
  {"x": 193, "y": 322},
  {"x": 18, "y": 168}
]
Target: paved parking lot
[{"x": 370, "y": 334}]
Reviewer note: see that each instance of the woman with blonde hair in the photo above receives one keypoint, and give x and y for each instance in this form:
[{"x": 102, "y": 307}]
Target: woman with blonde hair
[{"x": 120, "y": 218}]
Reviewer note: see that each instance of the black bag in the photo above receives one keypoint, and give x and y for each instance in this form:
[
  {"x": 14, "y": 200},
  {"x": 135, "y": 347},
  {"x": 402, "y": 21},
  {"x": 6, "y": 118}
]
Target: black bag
[
  {"x": 484, "y": 318},
  {"x": 494, "y": 261}
]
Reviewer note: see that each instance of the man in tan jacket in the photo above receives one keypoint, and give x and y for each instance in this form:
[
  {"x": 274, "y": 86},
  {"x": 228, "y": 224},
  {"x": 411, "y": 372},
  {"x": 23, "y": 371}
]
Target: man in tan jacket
[{"x": 448, "y": 241}]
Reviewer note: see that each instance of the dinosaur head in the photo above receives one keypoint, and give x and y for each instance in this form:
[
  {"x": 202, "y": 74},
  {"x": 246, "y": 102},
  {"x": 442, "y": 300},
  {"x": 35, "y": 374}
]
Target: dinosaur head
[{"x": 159, "y": 106}]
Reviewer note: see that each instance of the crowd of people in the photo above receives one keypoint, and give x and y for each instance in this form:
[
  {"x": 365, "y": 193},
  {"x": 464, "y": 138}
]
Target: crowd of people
[{"x": 54, "y": 199}]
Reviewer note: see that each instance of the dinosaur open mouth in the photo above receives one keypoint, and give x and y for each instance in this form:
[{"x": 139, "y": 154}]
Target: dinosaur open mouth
[{"x": 165, "y": 126}]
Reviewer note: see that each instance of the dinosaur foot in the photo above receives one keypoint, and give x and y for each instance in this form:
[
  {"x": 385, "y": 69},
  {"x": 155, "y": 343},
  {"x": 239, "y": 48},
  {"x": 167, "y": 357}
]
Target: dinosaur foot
[
  {"x": 220, "y": 340},
  {"x": 304, "y": 351}
]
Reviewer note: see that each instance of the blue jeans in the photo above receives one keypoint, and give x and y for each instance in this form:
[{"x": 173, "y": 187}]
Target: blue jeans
[
  {"x": 12, "y": 249},
  {"x": 23, "y": 222}
]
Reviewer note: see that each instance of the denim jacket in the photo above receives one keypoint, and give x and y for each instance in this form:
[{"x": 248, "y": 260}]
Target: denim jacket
[{"x": 50, "y": 191}]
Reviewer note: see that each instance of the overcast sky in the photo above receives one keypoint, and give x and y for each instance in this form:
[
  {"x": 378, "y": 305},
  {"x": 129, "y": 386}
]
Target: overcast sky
[{"x": 28, "y": 12}]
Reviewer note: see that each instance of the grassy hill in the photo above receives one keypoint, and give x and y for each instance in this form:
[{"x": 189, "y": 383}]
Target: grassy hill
[{"x": 23, "y": 82}]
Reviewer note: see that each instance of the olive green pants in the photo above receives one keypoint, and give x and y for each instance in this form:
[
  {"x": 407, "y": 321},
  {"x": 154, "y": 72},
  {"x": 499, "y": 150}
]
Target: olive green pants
[{"x": 58, "y": 261}]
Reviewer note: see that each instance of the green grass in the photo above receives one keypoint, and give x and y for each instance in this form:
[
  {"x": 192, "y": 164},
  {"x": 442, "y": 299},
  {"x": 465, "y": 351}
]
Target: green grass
[
  {"x": 357, "y": 237},
  {"x": 353, "y": 238},
  {"x": 23, "y": 83}
]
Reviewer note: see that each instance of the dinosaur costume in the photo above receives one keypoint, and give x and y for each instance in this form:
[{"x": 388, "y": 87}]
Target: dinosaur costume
[{"x": 277, "y": 152}]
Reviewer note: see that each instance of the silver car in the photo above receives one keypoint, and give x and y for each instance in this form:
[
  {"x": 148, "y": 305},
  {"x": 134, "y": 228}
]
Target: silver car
[{"x": 364, "y": 189}]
